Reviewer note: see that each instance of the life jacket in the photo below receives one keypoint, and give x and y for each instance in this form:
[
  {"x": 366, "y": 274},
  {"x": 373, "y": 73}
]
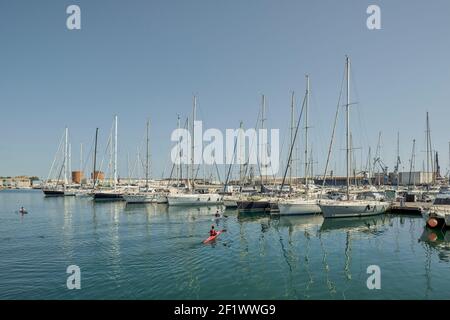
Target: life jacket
[{"x": 212, "y": 233}]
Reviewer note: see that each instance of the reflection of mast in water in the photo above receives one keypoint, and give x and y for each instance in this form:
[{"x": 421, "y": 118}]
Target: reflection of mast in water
[
  {"x": 115, "y": 252},
  {"x": 330, "y": 284},
  {"x": 412, "y": 234},
  {"x": 348, "y": 256},
  {"x": 94, "y": 217},
  {"x": 428, "y": 271},
  {"x": 286, "y": 256},
  {"x": 68, "y": 227},
  {"x": 310, "y": 278},
  {"x": 397, "y": 234}
]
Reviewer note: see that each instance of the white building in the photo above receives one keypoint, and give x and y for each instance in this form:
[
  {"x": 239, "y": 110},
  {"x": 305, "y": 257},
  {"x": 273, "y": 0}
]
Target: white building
[{"x": 415, "y": 178}]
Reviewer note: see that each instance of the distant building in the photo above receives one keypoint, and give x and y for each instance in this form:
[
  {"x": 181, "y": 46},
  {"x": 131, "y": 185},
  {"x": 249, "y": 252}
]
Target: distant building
[
  {"x": 415, "y": 178},
  {"x": 19, "y": 182}
]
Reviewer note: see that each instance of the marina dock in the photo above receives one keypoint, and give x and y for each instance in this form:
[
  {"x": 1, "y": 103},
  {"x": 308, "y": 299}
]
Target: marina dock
[{"x": 409, "y": 208}]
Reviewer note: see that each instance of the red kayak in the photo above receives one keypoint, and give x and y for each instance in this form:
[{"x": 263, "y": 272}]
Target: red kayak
[{"x": 211, "y": 238}]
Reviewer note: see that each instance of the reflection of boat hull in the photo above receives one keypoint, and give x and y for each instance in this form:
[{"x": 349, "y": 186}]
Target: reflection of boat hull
[
  {"x": 230, "y": 203},
  {"x": 194, "y": 199},
  {"x": 253, "y": 206},
  {"x": 345, "y": 209},
  {"x": 302, "y": 222},
  {"x": 53, "y": 193},
  {"x": 107, "y": 196},
  {"x": 300, "y": 207},
  {"x": 353, "y": 223}
]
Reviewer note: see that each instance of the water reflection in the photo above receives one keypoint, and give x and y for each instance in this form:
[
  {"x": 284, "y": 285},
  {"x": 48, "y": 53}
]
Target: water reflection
[
  {"x": 363, "y": 224},
  {"x": 438, "y": 241}
]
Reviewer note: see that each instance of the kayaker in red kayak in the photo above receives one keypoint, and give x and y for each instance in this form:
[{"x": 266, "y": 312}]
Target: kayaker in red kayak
[{"x": 212, "y": 232}]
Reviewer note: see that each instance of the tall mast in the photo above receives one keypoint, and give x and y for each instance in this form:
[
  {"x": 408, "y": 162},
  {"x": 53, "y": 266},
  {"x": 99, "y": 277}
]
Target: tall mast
[
  {"x": 241, "y": 152},
  {"x": 292, "y": 135},
  {"x": 348, "y": 126},
  {"x": 412, "y": 164},
  {"x": 115, "y": 152},
  {"x": 263, "y": 115},
  {"x": 95, "y": 158},
  {"x": 397, "y": 166},
  {"x": 147, "y": 160},
  {"x": 66, "y": 150},
  {"x": 178, "y": 167},
  {"x": 69, "y": 172},
  {"x": 81, "y": 157},
  {"x": 306, "y": 130},
  {"x": 194, "y": 109},
  {"x": 428, "y": 148}
]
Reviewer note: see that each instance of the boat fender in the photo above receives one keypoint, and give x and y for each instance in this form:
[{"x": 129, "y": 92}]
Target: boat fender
[
  {"x": 432, "y": 237},
  {"x": 432, "y": 223}
]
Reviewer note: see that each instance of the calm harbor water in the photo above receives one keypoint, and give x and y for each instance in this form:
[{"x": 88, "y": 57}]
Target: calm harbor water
[{"x": 156, "y": 252}]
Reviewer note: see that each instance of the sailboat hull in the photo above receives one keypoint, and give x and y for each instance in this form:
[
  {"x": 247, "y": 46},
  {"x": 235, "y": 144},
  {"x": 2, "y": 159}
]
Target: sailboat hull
[
  {"x": 145, "y": 198},
  {"x": 103, "y": 197},
  {"x": 195, "y": 199},
  {"x": 53, "y": 193},
  {"x": 301, "y": 207},
  {"x": 353, "y": 209}
]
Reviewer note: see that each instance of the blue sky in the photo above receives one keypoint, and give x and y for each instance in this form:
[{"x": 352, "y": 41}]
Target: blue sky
[{"x": 142, "y": 59}]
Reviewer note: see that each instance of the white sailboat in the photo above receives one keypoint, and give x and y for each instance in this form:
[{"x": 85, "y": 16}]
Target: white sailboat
[
  {"x": 113, "y": 194},
  {"x": 51, "y": 189},
  {"x": 193, "y": 198},
  {"x": 348, "y": 207},
  {"x": 300, "y": 205},
  {"x": 148, "y": 195}
]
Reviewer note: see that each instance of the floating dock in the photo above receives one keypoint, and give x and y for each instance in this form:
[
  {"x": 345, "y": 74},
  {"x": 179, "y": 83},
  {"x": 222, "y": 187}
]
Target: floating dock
[{"x": 409, "y": 208}]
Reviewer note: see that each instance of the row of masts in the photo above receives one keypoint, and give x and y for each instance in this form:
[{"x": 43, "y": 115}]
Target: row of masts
[{"x": 262, "y": 167}]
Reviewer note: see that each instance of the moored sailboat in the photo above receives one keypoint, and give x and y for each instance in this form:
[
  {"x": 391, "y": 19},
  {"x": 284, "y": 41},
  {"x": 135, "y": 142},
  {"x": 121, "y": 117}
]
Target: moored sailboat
[
  {"x": 348, "y": 207},
  {"x": 113, "y": 194}
]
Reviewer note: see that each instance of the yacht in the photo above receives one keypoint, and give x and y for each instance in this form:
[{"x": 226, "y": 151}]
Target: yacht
[{"x": 361, "y": 206}]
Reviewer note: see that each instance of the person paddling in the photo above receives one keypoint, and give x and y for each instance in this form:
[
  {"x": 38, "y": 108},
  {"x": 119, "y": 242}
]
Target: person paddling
[
  {"x": 212, "y": 232},
  {"x": 217, "y": 215}
]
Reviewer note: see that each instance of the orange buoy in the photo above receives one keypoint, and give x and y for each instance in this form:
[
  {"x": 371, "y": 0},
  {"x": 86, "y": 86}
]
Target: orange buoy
[
  {"x": 432, "y": 237},
  {"x": 432, "y": 223}
]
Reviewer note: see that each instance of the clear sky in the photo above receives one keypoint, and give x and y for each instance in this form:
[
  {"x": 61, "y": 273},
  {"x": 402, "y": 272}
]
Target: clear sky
[{"x": 140, "y": 59}]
